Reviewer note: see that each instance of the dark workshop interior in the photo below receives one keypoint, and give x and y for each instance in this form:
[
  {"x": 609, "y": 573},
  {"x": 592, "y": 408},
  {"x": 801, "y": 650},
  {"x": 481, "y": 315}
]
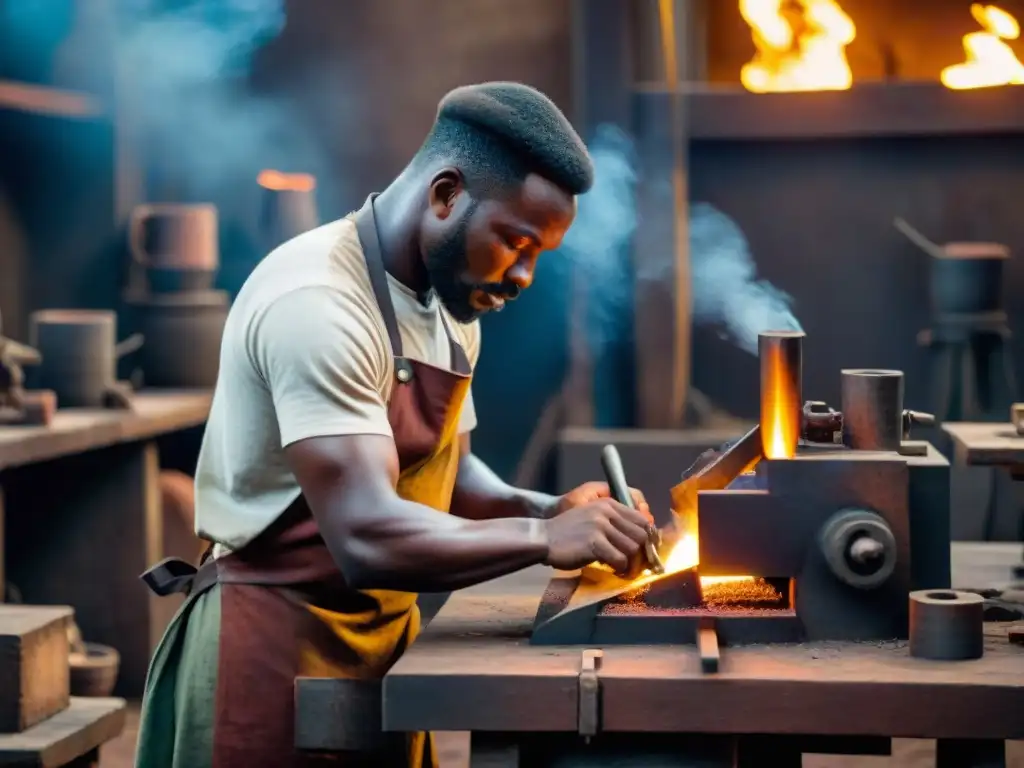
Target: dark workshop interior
[{"x": 788, "y": 302}]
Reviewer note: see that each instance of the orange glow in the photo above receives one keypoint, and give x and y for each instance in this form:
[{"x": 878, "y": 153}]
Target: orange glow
[
  {"x": 801, "y": 46},
  {"x": 286, "y": 182},
  {"x": 780, "y": 409},
  {"x": 686, "y": 554},
  {"x": 990, "y": 61}
]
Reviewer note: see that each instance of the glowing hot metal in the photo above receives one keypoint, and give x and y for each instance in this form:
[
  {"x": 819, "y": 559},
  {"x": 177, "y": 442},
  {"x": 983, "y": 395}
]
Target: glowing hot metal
[{"x": 781, "y": 355}]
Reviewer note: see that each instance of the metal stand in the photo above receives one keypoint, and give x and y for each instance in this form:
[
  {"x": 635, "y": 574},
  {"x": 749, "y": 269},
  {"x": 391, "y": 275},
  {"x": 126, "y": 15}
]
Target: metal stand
[{"x": 972, "y": 367}]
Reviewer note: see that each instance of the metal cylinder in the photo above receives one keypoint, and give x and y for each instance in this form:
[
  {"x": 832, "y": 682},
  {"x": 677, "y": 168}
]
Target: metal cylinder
[
  {"x": 946, "y": 625},
  {"x": 872, "y": 409},
  {"x": 79, "y": 355},
  {"x": 183, "y": 332},
  {"x": 781, "y": 356}
]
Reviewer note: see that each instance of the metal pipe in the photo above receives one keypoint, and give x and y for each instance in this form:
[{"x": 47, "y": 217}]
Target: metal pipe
[
  {"x": 781, "y": 356},
  {"x": 872, "y": 409}
]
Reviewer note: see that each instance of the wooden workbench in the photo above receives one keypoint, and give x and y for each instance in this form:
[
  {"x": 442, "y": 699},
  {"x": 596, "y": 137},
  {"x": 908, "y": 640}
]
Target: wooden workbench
[
  {"x": 474, "y": 669},
  {"x": 83, "y": 518},
  {"x": 990, "y": 445},
  {"x": 986, "y": 445}
]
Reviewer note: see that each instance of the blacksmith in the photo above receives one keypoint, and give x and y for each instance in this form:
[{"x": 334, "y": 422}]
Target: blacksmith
[{"x": 338, "y": 442}]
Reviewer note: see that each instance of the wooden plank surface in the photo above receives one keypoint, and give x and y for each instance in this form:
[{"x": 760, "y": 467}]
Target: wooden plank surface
[
  {"x": 473, "y": 669},
  {"x": 75, "y": 430},
  {"x": 76, "y": 731},
  {"x": 989, "y": 445}
]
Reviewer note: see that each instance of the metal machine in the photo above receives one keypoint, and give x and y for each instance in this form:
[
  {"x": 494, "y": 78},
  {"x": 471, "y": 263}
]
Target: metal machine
[{"x": 816, "y": 525}]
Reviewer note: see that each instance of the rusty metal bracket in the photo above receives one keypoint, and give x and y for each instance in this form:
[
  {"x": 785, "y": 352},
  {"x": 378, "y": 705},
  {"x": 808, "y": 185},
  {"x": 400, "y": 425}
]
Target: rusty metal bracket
[
  {"x": 707, "y": 646},
  {"x": 589, "y": 712}
]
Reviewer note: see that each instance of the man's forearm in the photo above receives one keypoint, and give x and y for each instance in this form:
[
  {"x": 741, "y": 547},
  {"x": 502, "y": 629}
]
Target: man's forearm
[
  {"x": 404, "y": 546},
  {"x": 482, "y": 495}
]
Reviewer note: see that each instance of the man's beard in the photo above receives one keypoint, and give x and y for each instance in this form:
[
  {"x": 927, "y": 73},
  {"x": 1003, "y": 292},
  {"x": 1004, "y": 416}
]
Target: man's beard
[{"x": 447, "y": 264}]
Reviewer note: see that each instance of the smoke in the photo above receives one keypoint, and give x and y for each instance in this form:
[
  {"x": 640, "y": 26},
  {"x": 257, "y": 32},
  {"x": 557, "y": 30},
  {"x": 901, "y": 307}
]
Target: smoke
[
  {"x": 204, "y": 128},
  {"x": 725, "y": 286},
  {"x": 598, "y": 243},
  {"x": 726, "y": 290}
]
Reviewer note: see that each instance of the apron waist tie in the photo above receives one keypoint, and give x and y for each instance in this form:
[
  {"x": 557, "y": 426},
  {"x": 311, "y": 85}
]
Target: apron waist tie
[{"x": 172, "y": 575}]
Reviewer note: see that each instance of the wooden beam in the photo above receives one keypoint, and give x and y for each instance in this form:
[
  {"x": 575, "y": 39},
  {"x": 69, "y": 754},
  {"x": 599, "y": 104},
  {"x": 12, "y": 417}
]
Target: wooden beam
[
  {"x": 602, "y": 63},
  {"x": 661, "y": 252},
  {"x": 602, "y": 84},
  {"x": 868, "y": 110}
]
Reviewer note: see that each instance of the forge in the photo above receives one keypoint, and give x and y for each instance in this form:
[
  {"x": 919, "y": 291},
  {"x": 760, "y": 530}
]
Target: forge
[{"x": 813, "y": 526}]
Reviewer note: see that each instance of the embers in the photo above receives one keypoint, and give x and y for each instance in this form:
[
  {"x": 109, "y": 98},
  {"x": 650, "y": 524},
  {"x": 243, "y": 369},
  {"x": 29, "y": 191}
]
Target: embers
[{"x": 687, "y": 595}]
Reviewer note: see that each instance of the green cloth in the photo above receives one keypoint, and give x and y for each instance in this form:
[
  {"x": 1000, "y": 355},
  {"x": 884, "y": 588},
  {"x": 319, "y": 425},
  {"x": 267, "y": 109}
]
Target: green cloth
[{"x": 176, "y": 725}]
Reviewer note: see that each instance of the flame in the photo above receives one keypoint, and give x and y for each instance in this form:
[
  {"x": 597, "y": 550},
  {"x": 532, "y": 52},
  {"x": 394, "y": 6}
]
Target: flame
[
  {"x": 801, "y": 46},
  {"x": 990, "y": 61},
  {"x": 780, "y": 411},
  {"x": 686, "y": 554},
  {"x": 286, "y": 182}
]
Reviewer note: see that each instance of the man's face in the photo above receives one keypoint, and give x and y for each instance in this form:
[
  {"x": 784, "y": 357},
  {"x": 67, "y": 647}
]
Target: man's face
[{"x": 481, "y": 253}]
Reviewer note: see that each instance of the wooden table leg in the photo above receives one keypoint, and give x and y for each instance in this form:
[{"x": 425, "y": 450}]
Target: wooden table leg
[
  {"x": 970, "y": 753},
  {"x": 80, "y": 531},
  {"x": 752, "y": 751},
  {"x": 3, "y": 564}
]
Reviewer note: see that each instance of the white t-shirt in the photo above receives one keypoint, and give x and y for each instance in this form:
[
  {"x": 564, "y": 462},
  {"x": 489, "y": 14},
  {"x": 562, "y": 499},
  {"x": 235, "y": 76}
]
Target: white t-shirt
[{"x": 305, "y": 353}]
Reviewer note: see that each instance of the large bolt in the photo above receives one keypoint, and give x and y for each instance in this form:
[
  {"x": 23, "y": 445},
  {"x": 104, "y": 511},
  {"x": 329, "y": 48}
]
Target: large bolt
[
  {"x": 859, "y": 547},
  {"x": 865, "y": 549}
]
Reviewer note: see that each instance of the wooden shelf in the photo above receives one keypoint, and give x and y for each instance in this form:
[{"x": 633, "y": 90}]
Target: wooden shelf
[
  {"x": 43, "y": 100},
  {"x": 866, "y": 110},
  {"x": 75, "y": 430},
  {"x": 67, "y": 736}
]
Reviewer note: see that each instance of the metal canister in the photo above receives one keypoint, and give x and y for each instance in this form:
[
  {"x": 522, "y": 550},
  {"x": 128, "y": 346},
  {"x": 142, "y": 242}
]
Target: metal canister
[
  {"x": 872, "y": 409},
  {"x": 79, "y": 352}
]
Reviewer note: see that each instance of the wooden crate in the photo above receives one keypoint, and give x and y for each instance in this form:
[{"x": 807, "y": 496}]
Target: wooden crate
[{"x": 34, "y": 673}]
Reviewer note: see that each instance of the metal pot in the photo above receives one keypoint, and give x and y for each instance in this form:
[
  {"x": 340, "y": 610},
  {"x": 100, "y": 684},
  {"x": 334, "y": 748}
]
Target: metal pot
[
  {"x": 967, "y": 278},
  {"x": 176, "y": 244},
  {"x": 288, "y": 206},
  {"x": 183, "y": 333}
]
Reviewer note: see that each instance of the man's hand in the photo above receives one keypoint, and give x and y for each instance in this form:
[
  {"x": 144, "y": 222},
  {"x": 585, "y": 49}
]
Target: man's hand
[
  {"x": 591, "y": 492},
  {"x": 603, "y": 531}
]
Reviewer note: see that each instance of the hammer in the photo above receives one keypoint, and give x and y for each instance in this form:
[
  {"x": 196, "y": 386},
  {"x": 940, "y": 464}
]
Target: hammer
[{"x": 647, "y": 557}]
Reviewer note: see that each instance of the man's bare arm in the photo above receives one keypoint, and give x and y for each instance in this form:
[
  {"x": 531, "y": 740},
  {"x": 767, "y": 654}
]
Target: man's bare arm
[
  {"x": 380, "y": 541},
  {"x": 481, "y": 495}
]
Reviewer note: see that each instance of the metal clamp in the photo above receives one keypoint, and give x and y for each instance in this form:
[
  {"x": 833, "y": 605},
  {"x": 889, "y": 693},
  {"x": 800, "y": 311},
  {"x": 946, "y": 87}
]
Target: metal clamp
[{"x": 589, "y": 713}]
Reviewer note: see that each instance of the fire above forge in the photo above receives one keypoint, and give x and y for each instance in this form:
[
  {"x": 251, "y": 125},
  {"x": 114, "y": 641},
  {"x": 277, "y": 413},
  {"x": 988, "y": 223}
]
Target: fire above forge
[{"x": 801, "y": 46}]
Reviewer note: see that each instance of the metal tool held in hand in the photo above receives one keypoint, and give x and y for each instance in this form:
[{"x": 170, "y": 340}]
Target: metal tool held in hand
[{"x": 647, "y": 557}]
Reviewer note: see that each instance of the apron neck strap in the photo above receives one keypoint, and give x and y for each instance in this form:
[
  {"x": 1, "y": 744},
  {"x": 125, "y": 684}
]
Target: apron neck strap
[
  {"x": 366, "y": 228},
  {"x": 369, "y": 238}
]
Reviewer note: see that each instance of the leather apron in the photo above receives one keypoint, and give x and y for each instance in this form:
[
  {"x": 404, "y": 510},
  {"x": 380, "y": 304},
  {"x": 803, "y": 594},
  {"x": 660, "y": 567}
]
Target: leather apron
[{"x": 286, "y": 611}]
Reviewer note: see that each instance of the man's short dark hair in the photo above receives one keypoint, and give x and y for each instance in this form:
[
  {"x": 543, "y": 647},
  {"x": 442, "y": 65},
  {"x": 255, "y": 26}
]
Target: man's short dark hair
[{"x": 498, "y": 133}]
